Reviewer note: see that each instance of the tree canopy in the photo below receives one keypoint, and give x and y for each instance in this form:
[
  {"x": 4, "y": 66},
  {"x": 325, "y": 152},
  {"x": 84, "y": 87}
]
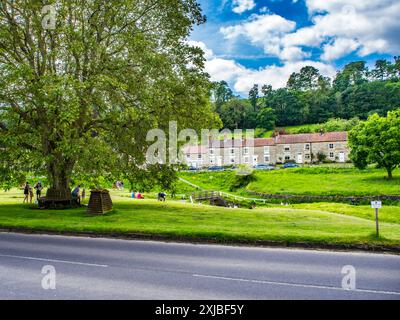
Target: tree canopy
[
  {"x": 79, "y": 98},
  {"x": 377, "y": 141}
]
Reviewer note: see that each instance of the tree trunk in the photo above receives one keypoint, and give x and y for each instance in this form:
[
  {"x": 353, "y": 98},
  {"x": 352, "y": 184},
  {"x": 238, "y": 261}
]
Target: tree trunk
[
  {"x": 59, "y": 174},
  {"x": 390, "y": 173}
]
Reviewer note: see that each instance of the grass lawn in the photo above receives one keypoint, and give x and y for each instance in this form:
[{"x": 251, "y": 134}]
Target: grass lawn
[
  {"x": 173, "y": 218},
  {"x": 326, "y": 181},
  {"x": 306, "y": 181}
]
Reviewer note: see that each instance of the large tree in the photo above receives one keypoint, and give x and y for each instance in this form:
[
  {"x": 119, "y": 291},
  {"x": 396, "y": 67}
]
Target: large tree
[
  {"x": 79, "y": 96},
  {"x": 377, "y": 141}
]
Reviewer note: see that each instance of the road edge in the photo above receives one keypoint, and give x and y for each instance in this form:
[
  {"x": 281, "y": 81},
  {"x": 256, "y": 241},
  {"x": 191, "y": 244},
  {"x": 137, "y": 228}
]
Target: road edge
[{"x": 198, "y": 240}]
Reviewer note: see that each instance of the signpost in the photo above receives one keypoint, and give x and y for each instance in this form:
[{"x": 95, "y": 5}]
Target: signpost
[{"x": 376, "y": 205}]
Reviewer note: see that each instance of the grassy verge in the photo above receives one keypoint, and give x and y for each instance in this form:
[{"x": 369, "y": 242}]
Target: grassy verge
[
  {"x": 176, "y": 220},
  {"x": 318, "y": 181}
]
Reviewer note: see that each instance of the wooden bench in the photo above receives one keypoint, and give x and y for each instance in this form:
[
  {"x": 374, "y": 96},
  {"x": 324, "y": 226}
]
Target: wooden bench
[{"x": 58, "y": 199}]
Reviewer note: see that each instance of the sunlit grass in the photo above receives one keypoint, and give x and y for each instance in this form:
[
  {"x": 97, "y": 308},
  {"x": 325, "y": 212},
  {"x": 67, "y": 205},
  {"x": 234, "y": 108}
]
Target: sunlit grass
[{"x": 178, "y": 219}]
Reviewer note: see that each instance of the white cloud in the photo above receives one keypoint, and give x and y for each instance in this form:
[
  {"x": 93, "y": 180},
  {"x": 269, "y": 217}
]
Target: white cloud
[
  {"x": 264, "y": 31},
  {"x": 242, "y": 79},
  {"x": 339, "y": 48},
  {"x": 223, "y": 69},
  {"x": 369, "y": 26},
  {"x": 240, "y": 6},
  {"x": 339, "y": 27},
  {"x": 277, "y": 76}
]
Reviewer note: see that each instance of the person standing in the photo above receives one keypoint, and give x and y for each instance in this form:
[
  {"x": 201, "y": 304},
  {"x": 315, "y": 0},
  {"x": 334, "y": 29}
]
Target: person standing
[
  {"x": 39, "y": 188},
  {"x": 31, "y": 195},
  {"x": 26, "y": 192},
  {"x": 83, "y": 195},
  {"x": 76, "y": 194}
]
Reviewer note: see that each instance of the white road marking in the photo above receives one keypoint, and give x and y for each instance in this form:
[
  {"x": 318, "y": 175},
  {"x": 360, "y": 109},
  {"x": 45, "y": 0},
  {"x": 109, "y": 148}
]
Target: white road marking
[
  {"x": 55, "y": 260},
  {"x": 295, "y": 284}
]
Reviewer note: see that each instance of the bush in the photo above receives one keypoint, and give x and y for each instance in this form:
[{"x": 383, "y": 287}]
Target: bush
[
  {"x": 321, "y": 157},
  {"x": 242, "y": 181}
]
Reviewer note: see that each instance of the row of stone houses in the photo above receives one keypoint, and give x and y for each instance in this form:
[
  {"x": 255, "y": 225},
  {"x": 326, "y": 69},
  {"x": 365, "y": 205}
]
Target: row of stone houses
[{"x": 299, "y": 148}]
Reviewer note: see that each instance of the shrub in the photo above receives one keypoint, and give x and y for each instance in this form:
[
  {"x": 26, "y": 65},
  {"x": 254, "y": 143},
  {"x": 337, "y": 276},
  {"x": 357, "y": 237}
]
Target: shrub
[{"x": 242, "y": 181}]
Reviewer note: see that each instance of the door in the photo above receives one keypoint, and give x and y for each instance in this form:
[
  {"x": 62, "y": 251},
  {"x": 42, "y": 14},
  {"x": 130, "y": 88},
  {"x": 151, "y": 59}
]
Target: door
[
  {"x": 342, "y": 157},
  {"x": 300, "y": 158}
]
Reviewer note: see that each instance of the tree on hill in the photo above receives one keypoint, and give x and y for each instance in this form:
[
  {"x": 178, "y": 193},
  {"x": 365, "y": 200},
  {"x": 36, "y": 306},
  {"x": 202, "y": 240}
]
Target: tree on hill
[
  {"x": 236, "y": 113},
  {"x": 76, "y": 95},
  {"x": 377, "y": 141},
  {"x": 253, "y": 97},
  {"x": 266, "y": 119},
  {"x": 221, "y": 93}
]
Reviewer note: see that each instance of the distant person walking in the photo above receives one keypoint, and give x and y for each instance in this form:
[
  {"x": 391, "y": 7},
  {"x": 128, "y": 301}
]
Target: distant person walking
[{"x": 26, "y": 192}]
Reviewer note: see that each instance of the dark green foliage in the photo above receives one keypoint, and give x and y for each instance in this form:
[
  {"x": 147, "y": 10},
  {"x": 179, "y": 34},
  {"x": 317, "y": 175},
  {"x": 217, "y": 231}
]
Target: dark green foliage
[
  {"x": 309, "y": 97},
  {"x": 377, "y": 141},
  {"x": 242, "y": 181}
]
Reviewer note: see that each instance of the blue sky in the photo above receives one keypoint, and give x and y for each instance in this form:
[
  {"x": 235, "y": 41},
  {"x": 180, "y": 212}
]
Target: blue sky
[{"x": 264, "y": 41}]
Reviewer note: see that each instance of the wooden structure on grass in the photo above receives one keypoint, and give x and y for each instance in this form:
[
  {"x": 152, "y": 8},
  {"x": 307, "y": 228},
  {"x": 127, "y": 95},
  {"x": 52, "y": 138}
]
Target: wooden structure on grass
[
  {"x": 215, "y": 198},
  {"x": 100, "y": 202},
  {"x": 58, "y": 199}
]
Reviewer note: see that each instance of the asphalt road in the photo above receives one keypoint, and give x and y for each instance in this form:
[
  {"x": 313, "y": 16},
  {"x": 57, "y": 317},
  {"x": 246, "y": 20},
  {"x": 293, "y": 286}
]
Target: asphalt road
[{"x": 117, "y": 269}]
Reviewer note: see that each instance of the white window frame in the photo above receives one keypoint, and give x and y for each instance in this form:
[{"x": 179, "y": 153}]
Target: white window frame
[
  {"x": 267, "y": 150},
  {"x": 288, "y": 148},
  {"x": 232, "y": 151},
  {"x": 246, "y": 159},
  {"x": 332, "y": 155},
  {"x": 331, "y": 146},
  {"x": 246, "y": 151},
  {"x": 307, "y": 147},
  {"x": 267, "y": 159}
]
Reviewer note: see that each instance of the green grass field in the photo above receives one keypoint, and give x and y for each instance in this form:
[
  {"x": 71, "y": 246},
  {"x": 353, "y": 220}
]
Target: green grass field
[
  {"x": 306, "y": 181},
  {"x": 313, "y": 224}
]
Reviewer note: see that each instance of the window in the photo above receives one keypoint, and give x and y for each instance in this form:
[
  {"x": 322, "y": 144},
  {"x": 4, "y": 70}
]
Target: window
[
  {"x": 200, "y": 156},
  {"x": 287, "y": 149},
  {"x": 212, "y": 151},
  {"x": 246, "y": 151},
  {"x": 307, "y": 156},
  {"x": 266, "y": 159},
  {"x": 287, "y": 158},
  {"x": 232, "y": 160},
  {"x": 331, "y": 146},
  {"x": 266, "y": 150},
  {"x": 246, "y": 160},
  {"x": 188, "y": 156},
  {"x": 307, "y": 146},
  {"x": 232, "y": 151},
  {"x": 332, "y": 155}
]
